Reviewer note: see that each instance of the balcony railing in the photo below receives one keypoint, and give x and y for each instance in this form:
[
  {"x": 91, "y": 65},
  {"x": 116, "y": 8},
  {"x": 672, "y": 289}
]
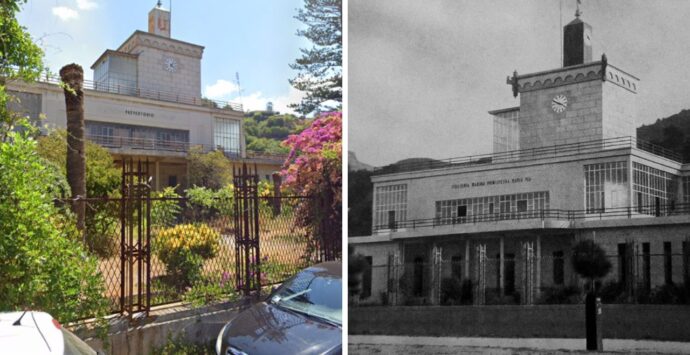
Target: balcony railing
[
  {"x": 532, "y": 154},
  {"x": 666, "y": 210},
  {"x": 151, "y": 144},
  {"x": 132, "y": 89}
]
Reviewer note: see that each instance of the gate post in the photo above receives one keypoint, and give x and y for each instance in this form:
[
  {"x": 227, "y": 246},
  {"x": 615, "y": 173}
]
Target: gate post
[
  {"x": 135, "y": 239},
  {"x": 247, "y": 257},
  {"x": 528, "y": 273},
  {"x": 480, "y": 293}
]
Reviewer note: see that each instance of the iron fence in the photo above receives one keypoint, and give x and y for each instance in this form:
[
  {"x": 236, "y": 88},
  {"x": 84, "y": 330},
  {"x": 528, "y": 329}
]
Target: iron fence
[
  {"x": 642, "y": 278},
  {"x": 285, "y": 247}
]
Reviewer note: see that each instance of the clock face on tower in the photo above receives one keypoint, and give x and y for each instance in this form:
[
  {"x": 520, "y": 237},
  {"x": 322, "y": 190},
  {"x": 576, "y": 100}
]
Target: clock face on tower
[
  {"x": 170, "y": 64},
  {"x": 559, "y": 103}
]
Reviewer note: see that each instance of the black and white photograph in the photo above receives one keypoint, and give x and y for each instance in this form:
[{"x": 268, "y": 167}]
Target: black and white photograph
[{"x": 516, "y": 176}]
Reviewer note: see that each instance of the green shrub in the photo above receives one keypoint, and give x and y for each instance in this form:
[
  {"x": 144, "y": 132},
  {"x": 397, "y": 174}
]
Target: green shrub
[
  {"x": 451, "y": 291},
  {"x": 177, "y": 345},
  {"x": 44, "y": 265},
  {"x": 561, "y": 295},
  {"x": 164, "y": 213},
  {"x": 211, "y": 289},
  {"x": 612, "y": 292},
  {"x": 102, "y": 179},
  {"x": 467, "y": 292},
  {"x": 670, "y": 294}
]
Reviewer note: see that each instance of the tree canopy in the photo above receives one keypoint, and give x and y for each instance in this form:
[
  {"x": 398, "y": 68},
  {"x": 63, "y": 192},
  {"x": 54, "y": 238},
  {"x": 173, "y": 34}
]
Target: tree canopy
[
  {"x": 20, "y": 59},
  {"x": 589, "y": 260},
  {"x": 212, "y": 170},
  {"x": 102, "y": 176},
  {"x": 320, "y": 67}
]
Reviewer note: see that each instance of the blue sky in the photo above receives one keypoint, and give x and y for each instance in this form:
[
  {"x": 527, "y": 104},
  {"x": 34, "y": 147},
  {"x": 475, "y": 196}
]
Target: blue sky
[{"x": 255, "y": 38}]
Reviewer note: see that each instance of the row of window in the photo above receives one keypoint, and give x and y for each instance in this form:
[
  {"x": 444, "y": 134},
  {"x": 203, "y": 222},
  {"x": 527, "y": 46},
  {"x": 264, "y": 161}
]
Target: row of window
[
  {"x": 606, "y": 187},
  {"x": 112, "y": 133},
  {"x": 449, "y": 211},
  {"x": 226, "y": 134}
]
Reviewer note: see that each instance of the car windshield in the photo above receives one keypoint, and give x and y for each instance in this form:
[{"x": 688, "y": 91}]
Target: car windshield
[{"x": 313, "y": 293}]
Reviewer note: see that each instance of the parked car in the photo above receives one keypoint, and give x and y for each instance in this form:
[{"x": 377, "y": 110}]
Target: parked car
[
  {"x": 34, "y": 332},
  {"x": 302, "y": 316}
]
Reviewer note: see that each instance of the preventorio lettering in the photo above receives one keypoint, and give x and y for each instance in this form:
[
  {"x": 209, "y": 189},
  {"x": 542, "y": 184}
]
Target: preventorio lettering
[
  {"x": 138, "y": 113},
  {"x": 491, "y": 182}
]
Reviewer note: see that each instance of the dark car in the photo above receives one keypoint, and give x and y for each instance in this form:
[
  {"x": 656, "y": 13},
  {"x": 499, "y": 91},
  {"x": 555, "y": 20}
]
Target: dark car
[{"x": 303, "y": 316}]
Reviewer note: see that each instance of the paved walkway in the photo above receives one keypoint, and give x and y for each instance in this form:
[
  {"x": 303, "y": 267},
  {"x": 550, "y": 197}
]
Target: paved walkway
[{"x": 384, "y": 344}]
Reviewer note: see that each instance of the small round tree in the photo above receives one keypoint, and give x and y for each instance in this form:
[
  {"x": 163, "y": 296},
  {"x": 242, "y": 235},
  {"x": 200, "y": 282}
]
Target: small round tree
[{"x": 589, "y": 260}]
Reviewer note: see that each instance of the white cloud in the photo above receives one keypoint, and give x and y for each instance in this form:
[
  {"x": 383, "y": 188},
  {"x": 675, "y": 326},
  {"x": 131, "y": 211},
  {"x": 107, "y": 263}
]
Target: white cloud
[
  {"x": 86, "y": 4},
  {"x": 221, "y": 90},
  {"x": 65, "y": 13},
  {"x": 256, "y": 101},
  {"x": 224, "y": 90}
]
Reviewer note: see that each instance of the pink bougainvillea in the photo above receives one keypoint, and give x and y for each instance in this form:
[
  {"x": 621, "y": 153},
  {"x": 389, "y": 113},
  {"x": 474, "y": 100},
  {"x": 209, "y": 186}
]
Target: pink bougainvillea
[{"x": 313, "y": 169}]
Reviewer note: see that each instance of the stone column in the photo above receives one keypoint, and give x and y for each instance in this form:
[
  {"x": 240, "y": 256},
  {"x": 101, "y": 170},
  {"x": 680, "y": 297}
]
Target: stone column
[
  {"x": 156, "y": 165},
  {"x": 539, "y": 261},
  {"x": 501, "y": 267},
  {"x": 467, "y": 259}
]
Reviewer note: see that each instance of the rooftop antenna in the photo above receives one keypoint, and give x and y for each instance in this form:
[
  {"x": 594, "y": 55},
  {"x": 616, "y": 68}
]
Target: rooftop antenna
[
  {"x": 239, "y": 89},
  {"x": 577, "y": 11}
]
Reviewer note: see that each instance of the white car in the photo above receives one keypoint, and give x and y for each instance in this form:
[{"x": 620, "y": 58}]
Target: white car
[{"x": 33, "y": 332}]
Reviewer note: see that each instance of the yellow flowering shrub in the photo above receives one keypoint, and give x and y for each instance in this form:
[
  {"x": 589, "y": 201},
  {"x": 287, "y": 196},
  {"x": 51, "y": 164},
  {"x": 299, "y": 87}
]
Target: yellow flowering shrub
[
  {"x": 183, "y": 249},
  {"x": 199, "y": 239}
]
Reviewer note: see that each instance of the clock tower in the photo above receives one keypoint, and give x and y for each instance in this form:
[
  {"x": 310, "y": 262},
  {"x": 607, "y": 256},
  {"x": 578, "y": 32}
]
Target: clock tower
[
  {"x": 577, "y": 42},
  {"x": 583, "y": 101},
  {"x": 153, "y": 63},
  {"x": 159, "y": 21}
]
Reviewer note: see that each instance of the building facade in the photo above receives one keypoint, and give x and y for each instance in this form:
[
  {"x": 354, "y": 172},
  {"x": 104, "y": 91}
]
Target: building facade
[
  {"x": 145, "y": 103},
  {"x": 566, "y": 166}
]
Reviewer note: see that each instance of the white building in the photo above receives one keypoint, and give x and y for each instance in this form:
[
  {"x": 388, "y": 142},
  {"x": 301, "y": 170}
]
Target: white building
[
  {"x": 145, "y": 102},
  {"x": 566, "y": 166}
]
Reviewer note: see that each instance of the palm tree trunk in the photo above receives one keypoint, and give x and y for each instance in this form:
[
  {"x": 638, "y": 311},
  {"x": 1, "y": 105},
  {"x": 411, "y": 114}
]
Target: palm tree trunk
[{"x": 72, "y": 76}]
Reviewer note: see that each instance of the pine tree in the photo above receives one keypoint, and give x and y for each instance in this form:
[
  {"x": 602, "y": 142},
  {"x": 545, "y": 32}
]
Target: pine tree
[{"x": 320, "y": 67}]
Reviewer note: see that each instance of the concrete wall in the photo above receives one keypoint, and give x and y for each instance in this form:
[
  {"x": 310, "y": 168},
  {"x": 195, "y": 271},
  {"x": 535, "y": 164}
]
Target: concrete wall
[
  {"x": 200, "y": 325},
  {"x": 619, "y": 109},
  {"x": 104, "y": 107},
  {"x": 562, "y": 321}
]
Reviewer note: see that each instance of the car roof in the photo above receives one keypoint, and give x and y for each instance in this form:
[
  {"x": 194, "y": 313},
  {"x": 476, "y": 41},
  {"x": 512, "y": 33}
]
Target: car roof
[
  {"x": 333, "y": 268},
  {"x": 25, "y": 338}
]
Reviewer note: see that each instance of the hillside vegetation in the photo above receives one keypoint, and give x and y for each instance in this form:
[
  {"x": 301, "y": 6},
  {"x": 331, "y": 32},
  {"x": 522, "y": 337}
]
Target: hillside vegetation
[
  {"x": 266, "y": 130},
  {"x": 672, "y": 132}
]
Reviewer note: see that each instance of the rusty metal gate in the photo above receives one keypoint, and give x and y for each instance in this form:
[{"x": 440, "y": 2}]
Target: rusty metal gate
[
  {"x": 247, "y": 257},
  {"x": 135, "y": 239}
]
